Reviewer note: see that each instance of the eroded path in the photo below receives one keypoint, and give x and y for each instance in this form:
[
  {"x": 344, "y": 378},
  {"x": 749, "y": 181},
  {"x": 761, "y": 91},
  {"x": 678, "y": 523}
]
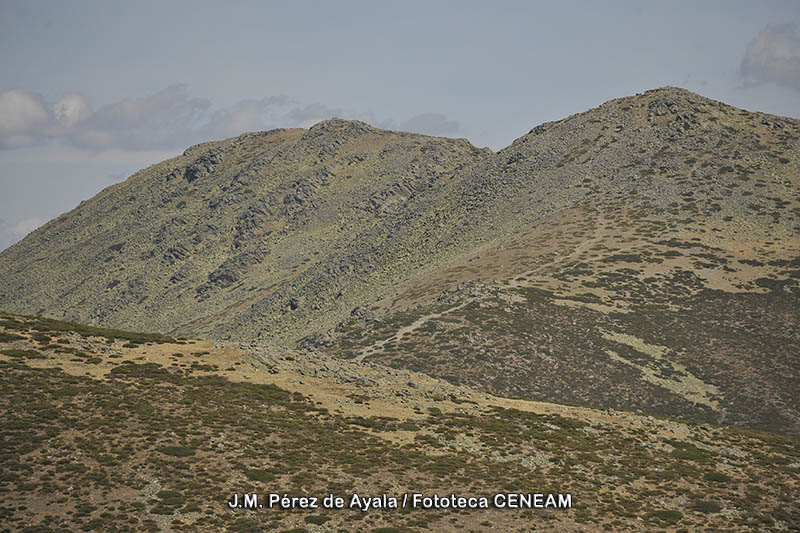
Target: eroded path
[
  {"x": 524, "y": 279},
  {"x": 418, "y": 323},
  {"x": 515, "y": 281}
]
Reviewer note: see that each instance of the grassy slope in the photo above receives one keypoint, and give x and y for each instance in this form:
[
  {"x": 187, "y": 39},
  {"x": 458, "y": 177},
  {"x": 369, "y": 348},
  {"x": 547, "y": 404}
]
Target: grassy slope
[
  {"x": 606, "y": 308},
  {"x": 156, "y": 435}
]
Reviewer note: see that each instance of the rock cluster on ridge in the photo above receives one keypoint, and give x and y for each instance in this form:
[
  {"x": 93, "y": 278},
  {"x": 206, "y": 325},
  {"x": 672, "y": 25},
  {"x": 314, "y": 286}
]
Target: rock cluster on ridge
[{"x": 641, "y": 255}]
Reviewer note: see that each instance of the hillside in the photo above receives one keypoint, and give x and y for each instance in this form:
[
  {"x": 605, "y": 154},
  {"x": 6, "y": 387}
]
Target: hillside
[
  {"x": 643, "y": 255},
  {"x": 227, "y": 229},
  {"x": 107, "y": 430}
]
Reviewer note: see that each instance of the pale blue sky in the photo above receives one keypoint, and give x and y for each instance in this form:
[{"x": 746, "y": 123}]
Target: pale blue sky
[{"x": 149, "y": 78}]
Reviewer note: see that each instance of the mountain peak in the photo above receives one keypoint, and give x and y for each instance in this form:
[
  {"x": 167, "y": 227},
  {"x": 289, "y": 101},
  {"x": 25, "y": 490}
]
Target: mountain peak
[
  {"x": 668, "y": 92},
  {"x": 336, "y": 124},
  {"x": 673, "y": 90},
  {"x": 246, "y": 210},
  {"x": 645, "y": 204}
]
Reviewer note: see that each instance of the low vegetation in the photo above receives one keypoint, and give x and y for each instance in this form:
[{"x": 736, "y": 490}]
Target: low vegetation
[{"x": 131, "y": 444}]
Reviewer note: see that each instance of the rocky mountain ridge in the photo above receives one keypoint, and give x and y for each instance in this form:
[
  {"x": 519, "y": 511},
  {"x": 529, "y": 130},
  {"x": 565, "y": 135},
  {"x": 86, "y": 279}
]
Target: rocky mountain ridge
[
  {"x": 250, "y": 228},
  {"x": 640, "y": 255}
]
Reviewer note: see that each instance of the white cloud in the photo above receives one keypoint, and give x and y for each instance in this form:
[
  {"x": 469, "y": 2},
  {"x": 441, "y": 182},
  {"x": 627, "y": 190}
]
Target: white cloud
[
  {"x": 165, "y": 119},
  {"x": 308, "y": 115},
  {"x": 773, "y": 56},
  {"x": 431, "y": 124},
  {"x": 23, "y": 227},
  {"x": 170, "y": 119},
  {"x": 70, "y": 110},
  {"x": 69, "y": 155},
  {"x": 11, "y": 233},
  {"x": 24, "y": 118},
  {"x": 247, "y": 115}
]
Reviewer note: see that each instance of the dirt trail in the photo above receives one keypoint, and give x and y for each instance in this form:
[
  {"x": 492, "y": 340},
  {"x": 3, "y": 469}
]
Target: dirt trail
[
  {"x": 418, "y": 323},
  {"x": 599, "y": 233}
]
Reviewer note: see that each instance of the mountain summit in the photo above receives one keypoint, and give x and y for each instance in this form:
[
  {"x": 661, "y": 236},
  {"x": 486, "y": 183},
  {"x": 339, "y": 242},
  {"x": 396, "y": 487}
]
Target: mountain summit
[{"x": 640, "y": 255}]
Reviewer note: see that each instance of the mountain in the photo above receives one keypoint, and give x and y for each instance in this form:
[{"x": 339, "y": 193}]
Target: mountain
[
  {"x": 642, "y": 255},
  {"x": 237, "y": 239},
  {"x": 107, "y": 430}
]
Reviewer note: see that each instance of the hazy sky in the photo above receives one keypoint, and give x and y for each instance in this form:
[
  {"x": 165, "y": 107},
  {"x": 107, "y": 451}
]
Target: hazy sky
[{"x": 92, "y": 91}]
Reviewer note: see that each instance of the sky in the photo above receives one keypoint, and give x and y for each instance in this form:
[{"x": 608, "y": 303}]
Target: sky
[{"x": 91, "y": 91}]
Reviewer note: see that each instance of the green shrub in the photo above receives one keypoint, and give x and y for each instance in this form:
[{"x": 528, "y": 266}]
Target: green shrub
[
  {"x": 31, "y": 354},
  {"x": 704, "y": 506},
  {"x": 259, "y": 475},
  {"x": 9, "y": 337},
  {"x": 170, "y": 497},
  {"x": 717, "y": 477},
  {"x": 668, "y": 515},
  {"x": 685, "y": 450},
  {"x": 66, "y": 391},
  {"x": 177, "y": 451},
  {"x": 316, "y": 519}
]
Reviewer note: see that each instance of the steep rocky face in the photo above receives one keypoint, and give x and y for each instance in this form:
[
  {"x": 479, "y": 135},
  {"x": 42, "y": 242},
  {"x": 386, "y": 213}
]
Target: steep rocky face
[
  {"x": 225, "y": 226},
  {"x": 643, "y": 254}
]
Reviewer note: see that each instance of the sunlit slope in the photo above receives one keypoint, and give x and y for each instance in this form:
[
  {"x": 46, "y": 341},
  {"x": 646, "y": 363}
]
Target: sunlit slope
[
  {"x": 640, "y": 255},
  {"x": 111, "y": 430},
  {"x": 278, "y": 235}
]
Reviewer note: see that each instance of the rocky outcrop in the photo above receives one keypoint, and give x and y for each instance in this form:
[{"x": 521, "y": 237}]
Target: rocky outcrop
[{"x": 278, "y": 235}]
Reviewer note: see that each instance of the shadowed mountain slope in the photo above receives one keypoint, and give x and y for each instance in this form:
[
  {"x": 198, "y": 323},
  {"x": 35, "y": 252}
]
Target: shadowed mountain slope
[{"x": 640, "y": 255}]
